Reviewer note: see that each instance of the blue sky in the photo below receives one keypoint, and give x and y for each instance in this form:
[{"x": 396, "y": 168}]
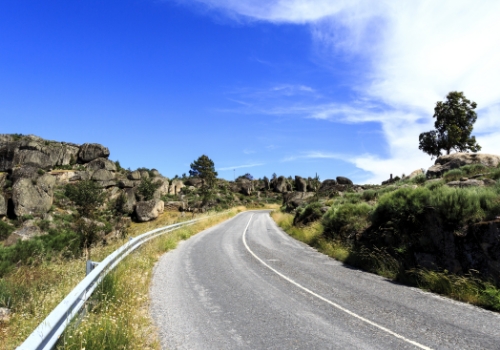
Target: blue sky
[{"x": 294, "y": 87}]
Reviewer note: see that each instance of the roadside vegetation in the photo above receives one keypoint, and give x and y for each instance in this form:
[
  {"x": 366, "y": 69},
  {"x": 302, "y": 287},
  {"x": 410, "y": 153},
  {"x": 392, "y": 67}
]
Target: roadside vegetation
[{"x": 382, "y": 229}]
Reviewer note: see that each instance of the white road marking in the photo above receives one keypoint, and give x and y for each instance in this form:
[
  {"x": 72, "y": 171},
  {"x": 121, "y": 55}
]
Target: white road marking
[{"x": 326, "y": 300}]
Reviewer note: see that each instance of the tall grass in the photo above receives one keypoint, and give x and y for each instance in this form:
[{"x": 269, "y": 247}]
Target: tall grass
[{"x": 120, "y": 305}]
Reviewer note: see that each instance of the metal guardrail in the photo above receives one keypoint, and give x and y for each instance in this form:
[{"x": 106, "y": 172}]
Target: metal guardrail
[{"x": 47, "y": 333}]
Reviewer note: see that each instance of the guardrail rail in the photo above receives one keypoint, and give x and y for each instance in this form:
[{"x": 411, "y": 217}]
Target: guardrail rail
[{"x": 48, "y": 332}]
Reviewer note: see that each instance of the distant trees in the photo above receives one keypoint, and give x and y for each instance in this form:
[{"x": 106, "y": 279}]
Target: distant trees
[
  {"x": 454, "y": 123},
  {"x": 248, "y": 176}
]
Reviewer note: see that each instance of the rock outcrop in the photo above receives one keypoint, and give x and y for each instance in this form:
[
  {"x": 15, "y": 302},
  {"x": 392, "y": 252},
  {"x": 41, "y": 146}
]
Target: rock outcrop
[
  {"x": 243, "y": 186},
  {"x": 26, "y": 232},
  {"x": 90, "y": 151},
  {"x": 300, "y": 184},
  {"x": 31, "y": 197},
  {"x": 456, "y": 160},
  {"x": 3, "y": 205},
  {"x": 341, "y": 180},
  {"x": 280, "y": 184},
  {"x": 149, "y": 210},
  {"x": 293, "y": 200},
  {"x": 176, "y": 186}
]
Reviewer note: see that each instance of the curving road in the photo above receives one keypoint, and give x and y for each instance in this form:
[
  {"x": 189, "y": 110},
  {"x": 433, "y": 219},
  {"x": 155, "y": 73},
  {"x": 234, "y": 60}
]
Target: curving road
[{"x": 245, "y": 284}]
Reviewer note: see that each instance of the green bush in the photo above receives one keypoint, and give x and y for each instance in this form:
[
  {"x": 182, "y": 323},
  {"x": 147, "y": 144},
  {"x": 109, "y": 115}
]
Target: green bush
[
  {"x": 369, "y": 195},
  {"x": 453, "y": 175},
  {"x": 87, "y": 196},
  {"x": 346, "y": 219},
  {"x": 419, "y": 179},
  {"x": 401, "y": 207},
  {"x": 147, "y": 188},
  {"x": 310, "y": 213},
  {"x": 495, "y": 174},
  {"x": 5, "y": 230}
]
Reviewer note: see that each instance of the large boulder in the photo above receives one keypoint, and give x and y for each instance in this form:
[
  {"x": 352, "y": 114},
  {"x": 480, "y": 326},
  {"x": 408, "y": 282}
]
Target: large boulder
[
  {"x": 32, "y": 158},
  {"x": 149, "y": 210},
  {"x": 25, "y": 172},
  {"x": 280, "y": 184},
  {"x": 415, "y": 173},
  {"x": 164, "y": 186},
  {"x": 176, "y": 186},
  {"x": 144, "y": 174},
  {"x": 292, "y": 200},
  {"x": 90, "y": 151},
  {"x": 101, "y": 163},
  {"x": 103, "y": 175},
  {"x": 63, "y": 176},
  {"x": 242, "y": 185},
  {"x": 134, "y": 175},
  {"x": 456, "y": 160},
  {"x": 175, "y": 206},
  {"x": 155, "y": 173},
  {"x": 194, "y": 181},
  {"x": 328, "y": 185},
  {"x": 3, "y": 178},
  {"x": 300, "y": 184},
  {"x": 130, "y": 199},
  {"x": 3, "y": 205},
  {"x": 35, "y": 151},
  {"x": 26, "y": 232},
  {"x": 31, "y": 197},
  {"x": 341, "y": 180}
]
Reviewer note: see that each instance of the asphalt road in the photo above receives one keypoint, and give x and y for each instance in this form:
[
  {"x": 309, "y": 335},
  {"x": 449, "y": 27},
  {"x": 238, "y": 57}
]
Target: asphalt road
[{"x": 245, "y": 284}]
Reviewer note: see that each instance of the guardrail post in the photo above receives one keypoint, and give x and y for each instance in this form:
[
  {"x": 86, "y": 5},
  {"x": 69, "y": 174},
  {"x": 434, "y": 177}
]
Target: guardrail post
[{"x": 90, "y": 266}]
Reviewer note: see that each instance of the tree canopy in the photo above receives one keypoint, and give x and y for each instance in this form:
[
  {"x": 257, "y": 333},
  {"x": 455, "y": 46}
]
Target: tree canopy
[
  {"x": 204, "y": 168},
  {"x": 454, "y": 123}
]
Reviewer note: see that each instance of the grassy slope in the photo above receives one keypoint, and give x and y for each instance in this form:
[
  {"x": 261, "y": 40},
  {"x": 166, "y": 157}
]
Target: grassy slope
[{"x": 118, "y": 312}]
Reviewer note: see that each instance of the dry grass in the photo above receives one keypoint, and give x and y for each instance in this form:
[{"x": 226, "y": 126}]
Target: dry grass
[{"x": 124, "y": 322}]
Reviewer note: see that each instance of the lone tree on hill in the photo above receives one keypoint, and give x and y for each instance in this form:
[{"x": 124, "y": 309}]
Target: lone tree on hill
[
  {"x": 204, "y": 168},
  {"x": 454, "y": 122}
]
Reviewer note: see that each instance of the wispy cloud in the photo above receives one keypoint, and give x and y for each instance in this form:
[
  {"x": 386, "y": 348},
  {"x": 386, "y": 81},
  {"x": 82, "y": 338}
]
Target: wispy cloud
[
  {"x": 414, "y": 53},
  {"x": 240, "y": 166},
  {"x": 316, "y": 155}
]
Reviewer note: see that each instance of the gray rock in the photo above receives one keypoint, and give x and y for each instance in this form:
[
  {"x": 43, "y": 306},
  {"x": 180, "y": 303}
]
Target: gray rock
[
  {"x": 134, "y": 175},
  {"x": 103, "y": 175},
  {"x": 33, "y": 198},
  {"x": 243, "y": 186},
  {"x": 106, "y": 183},
  {"x": 33, "y": 158},
  {"x": 4, "y": 315},
  {"x": 81, "y": 176},
  {"x": 456, "y": 160},
  {"x": 101, "y": 163},
  {"x": 3, "y": 178},
  {"x": 341, "y": 180},
  {"x": 25, "y": 172},
  {"x": 144, "y": 174},
  {"x": 3, "y": 205},
  {"x": 466, "y": 183},
  {"x": 25, "y": 233},
  {"x": 300, "y": 184},
  {"x": 91, "y": 151},
  {"x": 155, "y": 173},
  {"x": 149, "y": 210},
  {"x": 128, "y": 183},
  {"x": 328, "y": 185},
  {"x": 175, "y": 206},
  {"x": 280, "y": 184},
  {"x": 131, "y": 200},
  {"x": 293, "y": 200},
  {"x": 176, "y": 186},
  {"x": 193, "y": 181}
]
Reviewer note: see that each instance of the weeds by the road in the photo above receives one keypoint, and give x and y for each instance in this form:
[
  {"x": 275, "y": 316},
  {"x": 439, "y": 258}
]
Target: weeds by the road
[
  {"x": 121, "y": 304},
  {"x": 468, "y": 289}
]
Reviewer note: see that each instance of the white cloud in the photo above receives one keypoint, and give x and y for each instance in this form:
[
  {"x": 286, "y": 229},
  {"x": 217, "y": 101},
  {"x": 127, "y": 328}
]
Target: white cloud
[
  {"x": 415, "y": 53},
  {"x": 240, "y": 166}
]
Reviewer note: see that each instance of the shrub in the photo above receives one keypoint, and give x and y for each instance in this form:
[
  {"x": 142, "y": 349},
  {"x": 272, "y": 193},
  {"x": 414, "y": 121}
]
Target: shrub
[
  {"x": 5, "y": 230},
  {"x": 310, "y": 213},
  {"x": 147, "y": 188},
  {"x": 453, "y": 175},
  {"x": 369, "y": 195},
  {"x": 346, "y": 219},
  {"x": 86, "y": 195},
  {"x": 474, "y": 169},
  {"x": 419, "y": 179}
]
